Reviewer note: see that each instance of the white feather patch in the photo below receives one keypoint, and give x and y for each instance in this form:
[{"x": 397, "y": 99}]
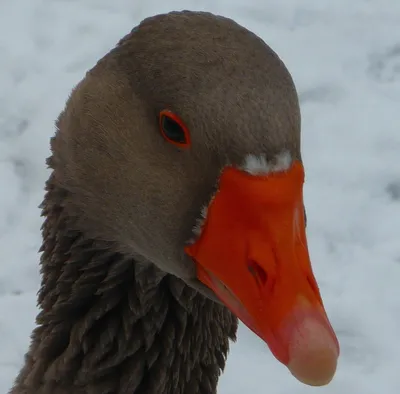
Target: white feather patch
[
  {"x": 198, "y": 227},
  {"x": 259, "y": 165}
]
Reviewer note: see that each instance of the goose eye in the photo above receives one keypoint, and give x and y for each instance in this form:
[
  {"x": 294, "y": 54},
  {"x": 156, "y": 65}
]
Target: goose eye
[{"x": 173, "y": 129}]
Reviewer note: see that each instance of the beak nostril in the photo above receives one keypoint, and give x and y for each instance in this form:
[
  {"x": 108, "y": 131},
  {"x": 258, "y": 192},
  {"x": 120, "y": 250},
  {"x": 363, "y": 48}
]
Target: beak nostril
[{"x": 258, "y": 272}]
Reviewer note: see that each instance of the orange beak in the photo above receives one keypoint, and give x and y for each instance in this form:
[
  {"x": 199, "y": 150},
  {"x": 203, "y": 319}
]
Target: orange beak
[{"x": 253, "y": 254}]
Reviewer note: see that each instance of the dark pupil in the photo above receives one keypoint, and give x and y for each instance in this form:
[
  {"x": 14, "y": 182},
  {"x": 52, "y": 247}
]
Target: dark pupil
[{"x": 172, "y": 130}]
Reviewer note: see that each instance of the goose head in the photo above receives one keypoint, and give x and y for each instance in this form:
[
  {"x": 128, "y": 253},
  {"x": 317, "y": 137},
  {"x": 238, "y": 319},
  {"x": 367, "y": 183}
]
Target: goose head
[{"x": 182, "y": 148}]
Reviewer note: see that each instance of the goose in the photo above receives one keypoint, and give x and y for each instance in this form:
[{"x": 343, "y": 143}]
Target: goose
[{"x": 174, "y": 207}]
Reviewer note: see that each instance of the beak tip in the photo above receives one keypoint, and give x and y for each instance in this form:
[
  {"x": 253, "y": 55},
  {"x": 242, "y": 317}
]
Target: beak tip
[
  {"x": 317, "y": 371},
  {"x": 313, "y": 354}
]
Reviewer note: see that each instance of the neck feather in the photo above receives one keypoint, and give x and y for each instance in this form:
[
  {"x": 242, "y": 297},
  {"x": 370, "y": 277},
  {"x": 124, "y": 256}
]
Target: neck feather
[{"x": 111, "y": 325}]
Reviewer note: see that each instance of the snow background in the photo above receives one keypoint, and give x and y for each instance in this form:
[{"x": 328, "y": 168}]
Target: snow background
[{"x": 345, "y": 59}]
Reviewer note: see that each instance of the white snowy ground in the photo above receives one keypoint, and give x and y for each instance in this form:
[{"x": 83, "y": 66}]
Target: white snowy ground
[{"x": 345, "y": 59}]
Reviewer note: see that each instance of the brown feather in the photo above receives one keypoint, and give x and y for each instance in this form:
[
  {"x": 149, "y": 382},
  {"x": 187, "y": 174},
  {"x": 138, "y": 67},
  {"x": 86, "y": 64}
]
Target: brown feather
[{"x": 112, "y": 325}]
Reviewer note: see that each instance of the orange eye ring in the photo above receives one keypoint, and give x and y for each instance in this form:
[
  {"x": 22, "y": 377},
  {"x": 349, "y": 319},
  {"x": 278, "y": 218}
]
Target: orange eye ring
[{"x": 173, "y": 129}]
